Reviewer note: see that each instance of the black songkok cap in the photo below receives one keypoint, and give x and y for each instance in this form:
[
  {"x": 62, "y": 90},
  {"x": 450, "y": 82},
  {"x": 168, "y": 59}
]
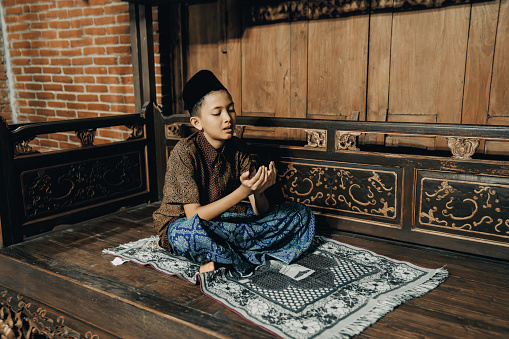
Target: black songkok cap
[{"x": 201, "y": 84}]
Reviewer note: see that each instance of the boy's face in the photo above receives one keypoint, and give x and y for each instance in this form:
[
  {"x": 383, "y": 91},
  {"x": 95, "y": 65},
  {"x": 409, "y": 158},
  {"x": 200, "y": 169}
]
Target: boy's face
[{"x": 217, "y": 118}]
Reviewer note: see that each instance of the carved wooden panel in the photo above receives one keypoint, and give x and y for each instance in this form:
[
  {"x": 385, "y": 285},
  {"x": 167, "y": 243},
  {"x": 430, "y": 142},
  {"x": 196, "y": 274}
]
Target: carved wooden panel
[
  {"x": 366, "y": 191},
  {"x": 468, "y": 204},
  {"x": 267, "y": 11},
  {"x": 63, "y": 187},
  {"x": 22, "y": 317}
]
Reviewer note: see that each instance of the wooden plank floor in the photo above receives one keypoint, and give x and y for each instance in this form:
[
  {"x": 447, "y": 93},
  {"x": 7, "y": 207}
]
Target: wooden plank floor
[{"x": 66, "y": 270}]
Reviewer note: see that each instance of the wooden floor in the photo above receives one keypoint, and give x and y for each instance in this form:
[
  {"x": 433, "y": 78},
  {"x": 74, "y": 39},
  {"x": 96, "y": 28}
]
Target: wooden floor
[{"x": 66, "y": 270}]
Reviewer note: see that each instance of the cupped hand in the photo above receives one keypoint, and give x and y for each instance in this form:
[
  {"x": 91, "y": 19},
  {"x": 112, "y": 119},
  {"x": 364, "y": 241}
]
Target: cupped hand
[{"x": 263, "y": 179}]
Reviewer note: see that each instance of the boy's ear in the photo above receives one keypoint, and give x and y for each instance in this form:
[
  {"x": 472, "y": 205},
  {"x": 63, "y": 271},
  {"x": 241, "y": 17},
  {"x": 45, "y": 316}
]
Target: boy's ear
[{"x": 195, "y": 121}]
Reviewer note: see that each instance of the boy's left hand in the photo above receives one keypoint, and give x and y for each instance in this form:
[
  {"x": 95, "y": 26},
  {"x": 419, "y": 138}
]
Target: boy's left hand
[
  {"x": 271, "y": 175},
  {"x": 264, "y": 178}
]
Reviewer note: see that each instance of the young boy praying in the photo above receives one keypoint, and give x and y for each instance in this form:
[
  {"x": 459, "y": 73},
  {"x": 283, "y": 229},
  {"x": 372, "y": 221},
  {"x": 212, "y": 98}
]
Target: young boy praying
[{"x": 209, "y": 174}]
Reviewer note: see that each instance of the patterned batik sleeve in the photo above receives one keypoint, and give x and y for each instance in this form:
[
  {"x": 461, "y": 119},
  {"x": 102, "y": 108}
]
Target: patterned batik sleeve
[{"x": 180, "y": 186}]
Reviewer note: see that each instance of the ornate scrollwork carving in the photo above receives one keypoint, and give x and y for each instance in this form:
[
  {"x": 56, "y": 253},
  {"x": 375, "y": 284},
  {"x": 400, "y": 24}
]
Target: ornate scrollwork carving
[
  {"x": 136, "y": 131},
  {"x": 316, "y": 138},
  {"x": 22, "y": 318},
  {"x": 174, "y": 131},
  {"x": 239, "y": 131},
  {"x": 462, "y": 148},
  {"x": 346, "y": 140},
  {"x": 267, "y": 11},
  {"x": 469, "y": 206},
  {"x": 86, "y": 136},
  {"x": 63, "y": 187},
  {"x": 360, "y": 191},
  {"x": 23, "y": 147}
]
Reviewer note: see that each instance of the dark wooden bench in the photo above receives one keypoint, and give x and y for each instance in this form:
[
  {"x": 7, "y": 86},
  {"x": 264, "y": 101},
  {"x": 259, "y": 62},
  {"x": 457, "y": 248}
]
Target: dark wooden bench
[{"x": 58, "y": 281}]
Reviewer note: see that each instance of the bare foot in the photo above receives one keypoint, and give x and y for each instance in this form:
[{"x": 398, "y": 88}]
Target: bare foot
[{"x": 207, "y": 267}]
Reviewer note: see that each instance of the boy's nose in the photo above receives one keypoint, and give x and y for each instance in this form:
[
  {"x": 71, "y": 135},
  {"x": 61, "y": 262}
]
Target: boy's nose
[{"x": 227, "y": 116}]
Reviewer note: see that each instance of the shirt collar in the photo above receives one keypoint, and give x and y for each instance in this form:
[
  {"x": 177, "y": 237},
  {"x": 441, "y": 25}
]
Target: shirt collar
[{"x": 210, "y": 153}]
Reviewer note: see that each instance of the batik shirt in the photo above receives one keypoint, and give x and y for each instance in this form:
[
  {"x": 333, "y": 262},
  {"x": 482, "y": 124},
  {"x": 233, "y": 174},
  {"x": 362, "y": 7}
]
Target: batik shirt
[{"x": 197, "y": 173}]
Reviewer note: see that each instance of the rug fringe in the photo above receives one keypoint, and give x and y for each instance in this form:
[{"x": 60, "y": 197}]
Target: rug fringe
[
  {"x": 132, "y": 244},
  {"x": 390, "y": 303}
]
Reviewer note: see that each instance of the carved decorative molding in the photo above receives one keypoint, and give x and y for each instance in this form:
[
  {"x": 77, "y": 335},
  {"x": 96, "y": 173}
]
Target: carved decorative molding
[
  {"x": 347, "y": 140},
  {"x": 136, "y": 131},
  {"x": 21, "y": 318},
  {"x": 86, "y": 136},
  {"x": 462, "y": 148},
  {"x": 23, "y": 147},
  {"x": 476, "y": 206},
  {"x": 316, "y": 138},
  {"x": 361, "y": 191},
  {"x": 239, "y": 131},
  {"x": 59, "y": 188},
  {"x": 174, "y": 131},
  {"x": 269, "y": 11}
]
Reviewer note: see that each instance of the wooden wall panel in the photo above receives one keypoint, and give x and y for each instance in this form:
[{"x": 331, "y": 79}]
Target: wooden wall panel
[
  {"x": 378, "y": 71},
  {"x": 428, "y": 62},
  {"x": 337, "y": 72},
  {"x": 234, "y": 53},
  {"x": 266, "y": 69},
  {"x": 499, "y": 101},
  {"x": 379, "y": 62},
  {"x": 499, "y": 97},
  {"x": 446, "y": 65},
  {"x": 481, "y": 45},
  {"x": 204, "y": 49},
  {"x": 299, "y": 70}
]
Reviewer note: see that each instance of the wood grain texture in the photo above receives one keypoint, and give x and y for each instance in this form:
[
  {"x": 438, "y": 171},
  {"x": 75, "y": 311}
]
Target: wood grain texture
[
  {"x": 337, "y": 72},
  {"x": 379, "y": 64},
  {"x": 428, "y": 62},
  {"x": 234, "y": 54},
  {"x": 66, "y": 268},
  {"x": 499, "y": 99},
  {"x": 204, "y": 49},
  {"x": 481, "y": 46},
  {"x": 412, "y": 141},
  {"x": 263, "y": 63}
]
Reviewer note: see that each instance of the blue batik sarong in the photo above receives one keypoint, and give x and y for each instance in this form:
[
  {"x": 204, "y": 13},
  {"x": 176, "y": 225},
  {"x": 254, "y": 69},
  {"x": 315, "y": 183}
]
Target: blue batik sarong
[{"x": 244, "y": 240}]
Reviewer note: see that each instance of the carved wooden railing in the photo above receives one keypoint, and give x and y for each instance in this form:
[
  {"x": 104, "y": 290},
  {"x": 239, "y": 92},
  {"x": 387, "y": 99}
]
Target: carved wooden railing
[
  {"x": 333, "y": 136},
  {"x": 41, "y": 190},
  {"x": 456, "y": 200}
]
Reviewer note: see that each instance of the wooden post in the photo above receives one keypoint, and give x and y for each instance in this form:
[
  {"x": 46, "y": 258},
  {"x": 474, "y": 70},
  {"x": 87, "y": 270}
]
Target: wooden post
[
  {"x": 10, "y": 227},
  {"x": 142, "y": 45}
]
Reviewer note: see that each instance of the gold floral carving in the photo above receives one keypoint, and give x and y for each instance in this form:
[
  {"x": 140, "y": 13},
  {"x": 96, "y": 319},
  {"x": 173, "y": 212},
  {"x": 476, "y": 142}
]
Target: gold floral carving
[
  {"x": 23, "y": 147},
  {"x": 173, "y": 131},
  {"x": 86, "y": 136},
  {"x": 316, "y": 138},
  {"x": 20, "y": 319},
  {"x": 136, "y": 131},
  {"x": 346, "y": 140},
  {"x": 469, "y": 206},
  {"x": 462, "y": 148},
  {"x": 357, "y": 190}
]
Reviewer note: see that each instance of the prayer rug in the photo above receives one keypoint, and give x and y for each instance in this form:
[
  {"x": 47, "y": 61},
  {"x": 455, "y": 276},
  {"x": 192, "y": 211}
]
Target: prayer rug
[{"x": 335, "y": 290}]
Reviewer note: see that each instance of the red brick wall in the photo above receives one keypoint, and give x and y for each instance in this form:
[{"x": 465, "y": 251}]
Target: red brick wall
[
  {"x": 70, "y": 59},
  {"x": 5, "y": 109}
]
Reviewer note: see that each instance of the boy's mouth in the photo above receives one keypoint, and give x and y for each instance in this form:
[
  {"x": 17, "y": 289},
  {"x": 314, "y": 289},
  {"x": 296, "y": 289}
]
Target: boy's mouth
[{"x": 228, "y": 129}]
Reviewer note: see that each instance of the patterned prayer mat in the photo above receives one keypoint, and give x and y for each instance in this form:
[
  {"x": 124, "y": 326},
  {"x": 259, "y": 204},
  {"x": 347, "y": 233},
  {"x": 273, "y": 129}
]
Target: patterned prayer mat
[{"x": 334, "y": 291}]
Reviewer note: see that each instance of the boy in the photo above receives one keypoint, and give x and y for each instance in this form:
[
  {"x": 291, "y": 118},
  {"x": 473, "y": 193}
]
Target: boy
[{"x": 208, "y": 175}]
